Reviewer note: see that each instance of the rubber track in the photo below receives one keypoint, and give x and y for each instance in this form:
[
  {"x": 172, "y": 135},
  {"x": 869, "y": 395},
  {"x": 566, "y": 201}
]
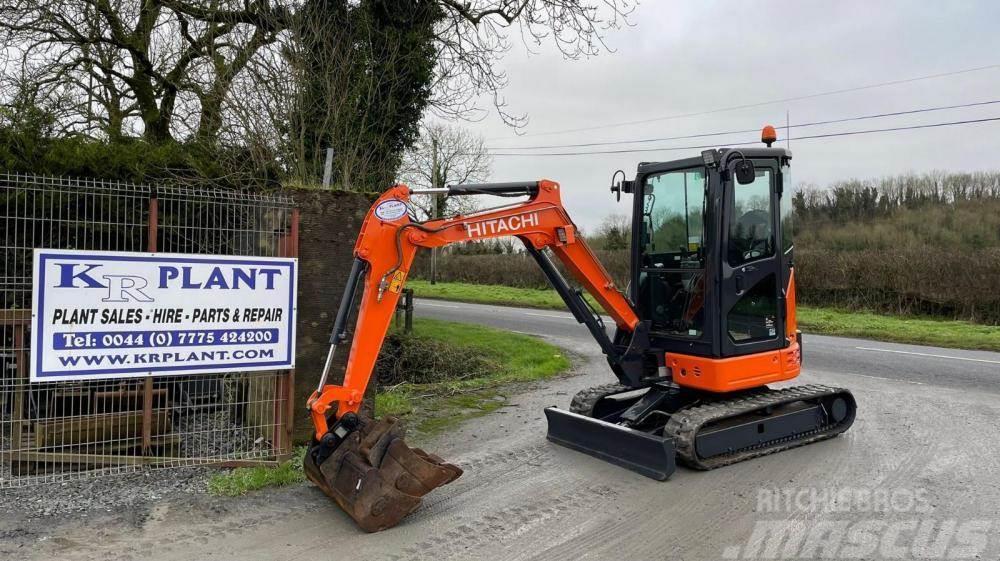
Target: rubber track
[
  {"x": 584, "y": 401},
  {"x": 685, "y": 424}
]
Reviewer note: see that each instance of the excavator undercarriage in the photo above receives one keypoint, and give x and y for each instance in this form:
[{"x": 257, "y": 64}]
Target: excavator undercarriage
[{"x": 703, "y": 431}]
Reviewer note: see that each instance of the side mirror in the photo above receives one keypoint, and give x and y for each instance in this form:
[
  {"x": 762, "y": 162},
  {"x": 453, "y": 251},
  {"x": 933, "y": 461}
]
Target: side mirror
[
  {"x": 621, "y": 186},
  {"x": 616, "y": 190},
  {"x": 745, "y": 173}
]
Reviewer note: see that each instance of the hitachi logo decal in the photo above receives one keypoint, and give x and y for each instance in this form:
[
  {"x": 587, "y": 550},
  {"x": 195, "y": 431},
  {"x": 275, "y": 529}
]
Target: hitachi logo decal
[{"x": 501, "y": 225}]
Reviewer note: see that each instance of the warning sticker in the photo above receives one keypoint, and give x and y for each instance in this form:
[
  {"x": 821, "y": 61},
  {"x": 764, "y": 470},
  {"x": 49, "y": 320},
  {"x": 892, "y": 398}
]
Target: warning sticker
[{"x": 397, "y": 282}]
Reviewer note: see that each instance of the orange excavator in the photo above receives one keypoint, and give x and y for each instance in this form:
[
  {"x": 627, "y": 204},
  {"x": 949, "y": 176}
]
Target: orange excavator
[{"x": 708, "y": 320}]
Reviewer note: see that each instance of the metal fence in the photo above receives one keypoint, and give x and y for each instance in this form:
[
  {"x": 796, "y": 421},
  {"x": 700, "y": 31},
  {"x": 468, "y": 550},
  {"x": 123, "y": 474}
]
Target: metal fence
[{"x": 55, "y": 431}]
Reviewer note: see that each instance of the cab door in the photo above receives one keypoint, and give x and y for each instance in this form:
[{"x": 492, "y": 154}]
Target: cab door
[{"x": 751, "y": 299}]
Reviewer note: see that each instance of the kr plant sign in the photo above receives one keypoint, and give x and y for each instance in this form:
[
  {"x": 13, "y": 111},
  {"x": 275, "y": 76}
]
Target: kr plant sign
[{"x": 103, "y": 314}]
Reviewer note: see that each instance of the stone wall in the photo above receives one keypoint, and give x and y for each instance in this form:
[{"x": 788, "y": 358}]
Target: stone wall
[{"x": 328, "y": 226}]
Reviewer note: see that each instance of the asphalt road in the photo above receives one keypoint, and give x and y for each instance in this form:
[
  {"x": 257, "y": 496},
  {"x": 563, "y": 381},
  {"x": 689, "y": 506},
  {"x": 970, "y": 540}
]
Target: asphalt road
[
  {"x": 917, "y": 476},
  {"x": 909, "y": 364}
]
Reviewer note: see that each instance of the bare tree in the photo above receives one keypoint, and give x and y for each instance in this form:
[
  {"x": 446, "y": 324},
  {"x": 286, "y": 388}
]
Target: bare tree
[
  {"x": 477, "y": 33},
  {"x": 614, "y": 233},
  {"x": 444, "y": 155},
  {"x": 139, "y": 60},
  {"x": 231, "y": 73}
]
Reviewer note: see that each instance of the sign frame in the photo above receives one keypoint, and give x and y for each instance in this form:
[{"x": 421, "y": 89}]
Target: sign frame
[{"x": 38, "y": 332}]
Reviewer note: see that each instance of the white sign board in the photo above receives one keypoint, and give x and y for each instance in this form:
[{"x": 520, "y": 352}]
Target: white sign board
[{"x": 113, "y": 314}]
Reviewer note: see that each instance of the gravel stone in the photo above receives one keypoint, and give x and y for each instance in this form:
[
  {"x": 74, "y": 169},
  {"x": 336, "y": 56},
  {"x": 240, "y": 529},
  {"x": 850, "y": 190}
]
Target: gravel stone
[
  {"x": 204, "y": 434},
  {"x": 103, "y": 493},
  {"x": 212, "y": 434}
]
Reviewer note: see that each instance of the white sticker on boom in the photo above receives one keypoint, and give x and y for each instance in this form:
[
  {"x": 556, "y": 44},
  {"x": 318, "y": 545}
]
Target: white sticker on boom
[{"x": 392, "y": 209}]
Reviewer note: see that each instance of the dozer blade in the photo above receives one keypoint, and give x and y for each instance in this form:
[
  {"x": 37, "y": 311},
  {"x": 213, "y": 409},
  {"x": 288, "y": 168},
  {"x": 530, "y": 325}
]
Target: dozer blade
[
  {"x": 641, "y": 452},
  {"x": 374, "y": 476}
]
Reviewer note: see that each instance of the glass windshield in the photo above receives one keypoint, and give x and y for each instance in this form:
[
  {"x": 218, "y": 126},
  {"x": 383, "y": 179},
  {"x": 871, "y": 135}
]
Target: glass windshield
[
  {"x": 673, "y": 217},
  {"x": 671, "y": 277}
]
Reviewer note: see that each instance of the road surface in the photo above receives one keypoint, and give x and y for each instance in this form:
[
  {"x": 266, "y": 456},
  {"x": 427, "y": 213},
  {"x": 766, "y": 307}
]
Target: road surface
[
  {"x": 917, "y": 476},
  {"x": 911, "y": 364}
]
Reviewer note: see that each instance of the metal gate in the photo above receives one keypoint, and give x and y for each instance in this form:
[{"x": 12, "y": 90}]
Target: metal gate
[{"x": 55, "y": 431}]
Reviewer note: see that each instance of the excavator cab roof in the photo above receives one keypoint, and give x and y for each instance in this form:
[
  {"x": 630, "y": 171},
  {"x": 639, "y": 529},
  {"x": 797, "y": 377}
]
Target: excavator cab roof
[{"x": 755, "y": 152}]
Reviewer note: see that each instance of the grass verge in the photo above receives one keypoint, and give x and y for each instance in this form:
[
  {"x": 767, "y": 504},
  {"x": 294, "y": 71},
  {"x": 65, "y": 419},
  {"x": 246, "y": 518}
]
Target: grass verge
[
  {"x": 242, "y": 480},
  {"x": 435, "y": 406},
  {"x": 825, "y": 321},
  {"x": 431, "y": 407},
  {"x": 900, "y": 329},
  {"x": 491, "y": 294}
]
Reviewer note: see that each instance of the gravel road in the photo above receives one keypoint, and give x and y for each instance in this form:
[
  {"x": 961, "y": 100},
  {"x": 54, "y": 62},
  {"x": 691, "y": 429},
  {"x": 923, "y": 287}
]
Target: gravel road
[{"x": 918, "y": 476}]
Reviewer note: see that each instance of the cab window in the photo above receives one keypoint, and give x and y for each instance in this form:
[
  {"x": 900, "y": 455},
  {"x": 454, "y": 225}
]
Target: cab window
[{"x": 751, "y": 234}]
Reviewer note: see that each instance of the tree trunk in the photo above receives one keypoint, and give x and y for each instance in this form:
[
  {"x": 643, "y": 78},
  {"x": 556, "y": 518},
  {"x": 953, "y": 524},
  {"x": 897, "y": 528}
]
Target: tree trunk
[
  {"x": 210, "y": 122},
  {"x": 157, "y": 129}
]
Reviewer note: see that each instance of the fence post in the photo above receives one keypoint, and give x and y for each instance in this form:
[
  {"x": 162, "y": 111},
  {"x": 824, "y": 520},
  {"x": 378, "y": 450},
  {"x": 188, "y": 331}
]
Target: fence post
[
  {"x": 408, "y": 314},
  {"x": 20, "y": 383},
  {"x": 284, "y": 406},
  {"x": 147, "y": 390},
  {"x": 290, "y": 387}
]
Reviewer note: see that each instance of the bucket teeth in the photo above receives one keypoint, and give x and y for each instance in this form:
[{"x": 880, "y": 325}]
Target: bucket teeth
[{"x": 375, "y": 477}]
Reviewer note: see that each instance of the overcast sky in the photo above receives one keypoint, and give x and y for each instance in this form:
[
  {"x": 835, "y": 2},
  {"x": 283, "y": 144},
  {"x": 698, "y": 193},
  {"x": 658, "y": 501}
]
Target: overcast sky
[{"x": 684, "y": 57}]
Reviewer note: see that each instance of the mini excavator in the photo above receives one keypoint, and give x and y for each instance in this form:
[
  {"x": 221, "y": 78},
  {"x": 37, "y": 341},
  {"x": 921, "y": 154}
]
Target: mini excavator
[{"x": 707, "y": 322}]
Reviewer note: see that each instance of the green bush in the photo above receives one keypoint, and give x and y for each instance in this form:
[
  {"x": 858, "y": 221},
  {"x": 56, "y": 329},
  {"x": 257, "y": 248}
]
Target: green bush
[
  {"x": 420, "y": 359},
  {"x": 131, "y": 160}
]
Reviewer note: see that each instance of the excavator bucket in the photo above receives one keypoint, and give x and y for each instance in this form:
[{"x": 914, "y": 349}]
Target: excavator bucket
[
  {"x": 374, "y": 476},
  {"x": 641, "y": 452}
]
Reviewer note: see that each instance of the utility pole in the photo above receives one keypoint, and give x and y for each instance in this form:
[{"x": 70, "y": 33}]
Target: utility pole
[
  {"x": 435, "y": 211},
  {"x": 788, "y": 130}
]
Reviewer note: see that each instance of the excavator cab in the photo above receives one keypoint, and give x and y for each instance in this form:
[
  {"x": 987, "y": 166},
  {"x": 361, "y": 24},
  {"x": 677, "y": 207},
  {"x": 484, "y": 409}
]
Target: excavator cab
[{"x": 696, "y": 220}]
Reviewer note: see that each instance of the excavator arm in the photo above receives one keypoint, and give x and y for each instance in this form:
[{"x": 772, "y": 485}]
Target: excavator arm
[{"x": 389, "y": 241}]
